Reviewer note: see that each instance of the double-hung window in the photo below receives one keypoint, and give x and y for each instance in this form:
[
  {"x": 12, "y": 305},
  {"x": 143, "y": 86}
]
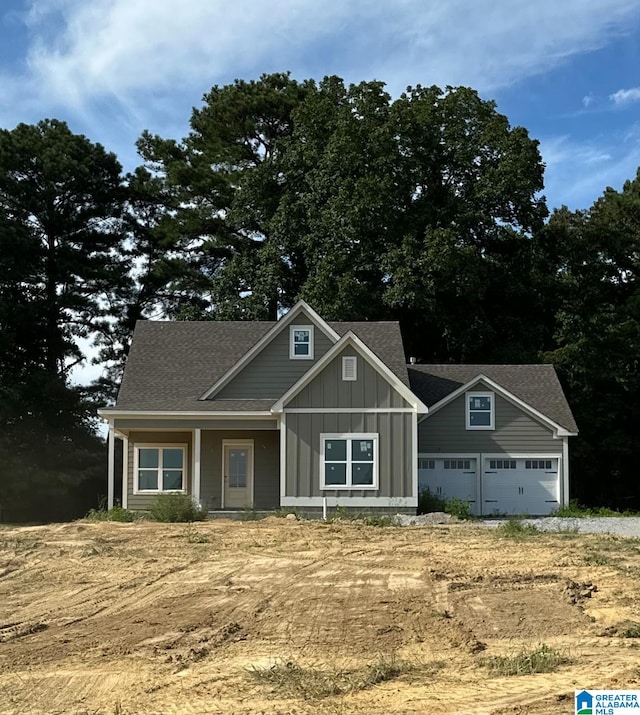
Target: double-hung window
[
  {"x": 349, "y": 461},
  {"x": 480, "y": 409},
  {"x": 160, "y": 468},
  {"x": 301, "y": 342}
]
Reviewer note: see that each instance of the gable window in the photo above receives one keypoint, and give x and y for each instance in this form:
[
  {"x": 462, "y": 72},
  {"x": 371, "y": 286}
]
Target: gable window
[
  {"x": 349, "y": 461},
  {"x": 160, "y": 468},
  {"x": 349, "y": 368},
  {"x": 480, "y": 410},
  {"x": 301, "y": 342}
]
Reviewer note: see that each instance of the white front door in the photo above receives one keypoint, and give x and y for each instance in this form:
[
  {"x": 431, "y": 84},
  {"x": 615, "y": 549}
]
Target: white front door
[{"x": 237, "y": 474}]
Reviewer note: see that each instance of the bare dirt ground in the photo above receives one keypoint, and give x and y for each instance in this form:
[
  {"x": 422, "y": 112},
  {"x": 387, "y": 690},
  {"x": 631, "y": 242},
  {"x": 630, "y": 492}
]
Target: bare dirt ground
[{"x": 117, "y": 619}]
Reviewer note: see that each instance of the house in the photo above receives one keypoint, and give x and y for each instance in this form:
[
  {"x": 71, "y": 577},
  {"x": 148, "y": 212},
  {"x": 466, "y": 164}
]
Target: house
[{"x": 310, "y": 414}]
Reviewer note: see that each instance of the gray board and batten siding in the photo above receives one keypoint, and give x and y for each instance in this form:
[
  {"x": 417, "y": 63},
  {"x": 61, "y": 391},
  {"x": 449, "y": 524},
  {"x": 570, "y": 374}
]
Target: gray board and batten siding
[
  {"x": 396, "y": 453},
  {"x": 272, "y": 371},
  {"x": 515, "y": 431},
  {"x": 328, "y": 389},
  {"x": 266, "y": 472}
]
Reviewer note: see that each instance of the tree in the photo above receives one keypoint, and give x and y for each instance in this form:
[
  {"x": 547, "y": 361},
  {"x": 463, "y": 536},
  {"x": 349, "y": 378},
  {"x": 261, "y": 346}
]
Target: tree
[
  {"x": 60, "y": 237},
  {"x": 597, "y": 334},
  {"x": 420, "y": 208}
]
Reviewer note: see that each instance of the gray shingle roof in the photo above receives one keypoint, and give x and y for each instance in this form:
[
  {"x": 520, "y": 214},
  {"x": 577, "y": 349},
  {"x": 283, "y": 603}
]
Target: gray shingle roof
[
  {"x": 537, "y": 385},
  {"x": 171, "y": 364}
]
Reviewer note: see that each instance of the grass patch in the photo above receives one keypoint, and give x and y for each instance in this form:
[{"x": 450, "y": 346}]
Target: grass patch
[
  {"x": 517, "y": 529},
  {"x": 290, "y": 679},
  {"x": 542, "y": 659},
  {"x": 171, "y": 508},
  {"x": 578, "y": 511},
  {"x": 116, "y": 513},
  {"x": 193, "y": 536}
]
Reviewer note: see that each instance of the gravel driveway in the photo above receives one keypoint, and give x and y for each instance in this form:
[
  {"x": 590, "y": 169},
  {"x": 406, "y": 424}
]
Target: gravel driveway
[{"x": 621, "y": 526}]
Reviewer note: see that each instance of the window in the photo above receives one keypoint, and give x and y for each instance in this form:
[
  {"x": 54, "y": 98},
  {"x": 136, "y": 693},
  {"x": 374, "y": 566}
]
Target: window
[
  {"x": 537, "y": 464},
  {"x": 301, "y": 342},
  {"x": 426, "y": 463},
  {"x": 349, "y": 461},
  {"x": 349, "y": 368},
  {"x": 160, "y": 468},
  {"x": 480, "y": 412},
  {"x": 457, "y": 464},
  {"x": 502, "y": 464}
]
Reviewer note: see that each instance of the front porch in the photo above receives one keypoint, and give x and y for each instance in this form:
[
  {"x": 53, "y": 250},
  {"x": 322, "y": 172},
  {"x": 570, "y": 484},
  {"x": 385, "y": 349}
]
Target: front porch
[{"x": 224, "y": 469}]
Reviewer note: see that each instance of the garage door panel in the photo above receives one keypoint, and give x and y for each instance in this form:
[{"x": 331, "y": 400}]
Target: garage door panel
[
  {"x": 520, "y": 486},
  {"x": 450, "y": 478}
]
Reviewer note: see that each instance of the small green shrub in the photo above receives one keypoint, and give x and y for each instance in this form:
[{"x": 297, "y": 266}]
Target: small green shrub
[
  {"x": 176, "y": 508},
  {"x": 194, "y": 536},
  {"x": 517, "y": 529},
  {"x": 428, "y": 502},
  {"x": 378, "y": 520},
  {"x": 116, "y": 513},
  {"x": 458, "y": 507},
  {"x": 542, "y": 659}
]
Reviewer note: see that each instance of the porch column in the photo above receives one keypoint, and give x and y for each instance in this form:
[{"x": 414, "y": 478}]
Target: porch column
[
  {"x": 197, "y": 443},
  {"x": 111, "y": 449},
  {"x": 125, "y": 471}
]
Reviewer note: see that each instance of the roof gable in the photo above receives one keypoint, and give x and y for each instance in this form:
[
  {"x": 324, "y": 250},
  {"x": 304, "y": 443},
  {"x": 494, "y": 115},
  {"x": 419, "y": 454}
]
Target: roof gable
[
  {"x": 534, "y": 388},
  {"x": 299, "y": 314},
  {"x": 350, "y": 339}
]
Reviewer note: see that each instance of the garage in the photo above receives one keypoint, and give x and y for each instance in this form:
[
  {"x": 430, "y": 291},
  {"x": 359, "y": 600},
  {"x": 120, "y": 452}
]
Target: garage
[
  {"x": 450, "y": 477},
  {"x": 523, "y": 485}
]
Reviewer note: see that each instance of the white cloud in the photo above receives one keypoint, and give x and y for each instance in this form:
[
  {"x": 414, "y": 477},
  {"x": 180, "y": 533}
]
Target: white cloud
[
  {"x": 587, "y": 101},
  {"x": 625, "y": 96},
  {"x": 579, "y": 171},
  {"x": 127, "y": 50}
]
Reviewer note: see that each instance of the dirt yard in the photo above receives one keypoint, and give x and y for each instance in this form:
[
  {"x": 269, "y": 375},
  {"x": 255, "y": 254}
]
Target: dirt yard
[{"x": 280, "y": 616}]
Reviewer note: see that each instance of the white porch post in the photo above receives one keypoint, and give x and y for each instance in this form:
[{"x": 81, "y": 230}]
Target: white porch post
[
  {"x": 197, "y": 446},
  {"x": 125, "y": 470},
  {"x": 565, "y": 471},
  {"x": 111, "y": 448}
]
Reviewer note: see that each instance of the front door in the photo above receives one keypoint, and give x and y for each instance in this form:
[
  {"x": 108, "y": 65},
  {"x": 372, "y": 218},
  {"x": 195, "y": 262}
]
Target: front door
[{"x": 238, "y": 474}]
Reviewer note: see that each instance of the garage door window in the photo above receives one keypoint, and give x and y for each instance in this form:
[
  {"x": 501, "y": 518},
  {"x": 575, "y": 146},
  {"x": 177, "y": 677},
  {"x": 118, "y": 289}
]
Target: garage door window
[
  {"x": 480, "y": 410},
  {"x": 537, "y": 464},
  {"x": 502, "y": 464},
  {"x": 349, "y": 461},
  {"x": 457, "y": 464}
]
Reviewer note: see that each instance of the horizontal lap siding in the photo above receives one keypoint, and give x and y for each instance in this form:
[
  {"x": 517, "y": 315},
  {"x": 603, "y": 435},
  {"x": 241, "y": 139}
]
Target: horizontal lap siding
[
  {"x": 328, "y": 389},
  {"x": 515, "y": 432},
  {"x": 272, "y": 372},
  {"x": 395, "y": 451},
  {"x": 266, "y": 455},
  {"x": 144, "y": 501}
]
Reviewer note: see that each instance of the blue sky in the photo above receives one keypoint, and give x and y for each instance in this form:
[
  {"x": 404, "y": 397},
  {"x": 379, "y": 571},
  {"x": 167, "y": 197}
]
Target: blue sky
[{"x": 567, "y": 70}]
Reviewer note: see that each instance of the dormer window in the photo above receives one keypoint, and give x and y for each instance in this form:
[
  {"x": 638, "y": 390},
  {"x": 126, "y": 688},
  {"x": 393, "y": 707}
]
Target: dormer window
[
  {"x": 301, "y": 342},
  {"x": 480, "y": 410}
]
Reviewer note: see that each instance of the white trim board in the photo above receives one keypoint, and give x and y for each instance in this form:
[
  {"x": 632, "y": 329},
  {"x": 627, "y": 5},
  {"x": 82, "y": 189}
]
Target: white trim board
[
  {"x": 350, "y": 501},
  {"x": 346, "y": 410},
  {"x": 113, "y": 412},
  {"x": 558, "y": 430},
  {"x": 280, "y": 325},
  {"x": 350, "y": 339}
]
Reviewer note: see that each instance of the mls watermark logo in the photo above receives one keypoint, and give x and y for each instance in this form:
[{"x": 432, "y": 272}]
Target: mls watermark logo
[{"x": 607, "y": 702}]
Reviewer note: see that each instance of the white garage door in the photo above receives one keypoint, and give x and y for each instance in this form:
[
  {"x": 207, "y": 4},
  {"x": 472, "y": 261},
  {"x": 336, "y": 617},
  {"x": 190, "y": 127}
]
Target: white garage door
[
  {"x": 449, "y": 478},
  {"x": 519, "y": 486}
]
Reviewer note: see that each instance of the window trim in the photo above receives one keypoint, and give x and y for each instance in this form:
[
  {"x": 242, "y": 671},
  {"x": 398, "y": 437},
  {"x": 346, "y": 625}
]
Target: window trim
[
  {"x": 350, "y": 437},
  {"x": 468, "y": 410},
  {"x": 292, "y": 355},
  {"x": 159, "y": 446},
  {"x": 345, "y": 361}
]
